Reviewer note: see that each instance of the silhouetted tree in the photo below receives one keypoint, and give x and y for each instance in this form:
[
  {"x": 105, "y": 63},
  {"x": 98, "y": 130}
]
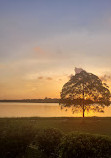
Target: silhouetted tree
[{"x": 84, "y": 90}]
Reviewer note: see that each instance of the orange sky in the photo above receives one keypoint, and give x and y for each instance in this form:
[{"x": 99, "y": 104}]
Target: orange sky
[
  {"x": 36, "y": 86},
  {"x": 41, "y": 42}
]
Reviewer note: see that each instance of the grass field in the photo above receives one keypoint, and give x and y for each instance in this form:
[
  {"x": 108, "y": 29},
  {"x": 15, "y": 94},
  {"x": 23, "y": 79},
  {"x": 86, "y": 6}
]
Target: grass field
[
  {"x": 17, "y": 134},
  {"x": 94, "y": 125}
]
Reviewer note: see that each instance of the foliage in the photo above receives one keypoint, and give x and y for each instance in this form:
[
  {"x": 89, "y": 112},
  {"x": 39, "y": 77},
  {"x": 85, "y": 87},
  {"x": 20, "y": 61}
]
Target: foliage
[
  {"x": 85, "y": 146},
  {"x": 19, "y": 136},
  {"x": 13, "y": 142},
  {"x": 47, "y": 142},
  {"x": 72, "y": 145},
  {"x": 84, "y": 90}
]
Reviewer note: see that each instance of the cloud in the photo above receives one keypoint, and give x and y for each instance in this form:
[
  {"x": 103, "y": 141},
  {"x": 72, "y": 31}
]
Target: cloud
[
  {"x": 46, "y": 78},
  {"x": 40, "y": 77},
  {"x": 38, "y": 50},
  {"x": 60, "y": 79},
  {"x": 49, "y": 78},
  {"x": 106, "y": 78},
  {"x": 78, "y": 70}
]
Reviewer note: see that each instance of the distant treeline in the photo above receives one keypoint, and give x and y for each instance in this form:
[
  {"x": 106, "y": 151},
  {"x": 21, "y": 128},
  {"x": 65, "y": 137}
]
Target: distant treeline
[{"x": 45, "y": 100}]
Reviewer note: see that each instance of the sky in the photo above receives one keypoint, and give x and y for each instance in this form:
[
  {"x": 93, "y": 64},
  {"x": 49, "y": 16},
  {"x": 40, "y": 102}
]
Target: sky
[{"x": 42, "y": 41}]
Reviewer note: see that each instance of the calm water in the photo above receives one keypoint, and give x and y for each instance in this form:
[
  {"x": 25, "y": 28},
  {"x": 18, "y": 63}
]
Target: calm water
[{"x": 42, "y": 110}]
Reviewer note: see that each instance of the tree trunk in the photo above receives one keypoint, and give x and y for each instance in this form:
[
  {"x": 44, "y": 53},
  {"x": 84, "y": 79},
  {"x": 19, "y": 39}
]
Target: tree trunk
[
  {"x": 83, "y": 100},
  {"x": 83, "y": 110}
]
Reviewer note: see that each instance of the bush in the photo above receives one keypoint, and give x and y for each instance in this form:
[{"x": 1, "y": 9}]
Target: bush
[
  {"x": 14, "y": 142},
  {"x": 85, "y": 146},
  {"x": 47, "y": 142},
  {"x": 28, "y": 142}
]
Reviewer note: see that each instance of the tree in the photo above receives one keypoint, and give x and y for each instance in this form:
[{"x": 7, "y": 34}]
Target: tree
[{"x": 86, "y": 91}]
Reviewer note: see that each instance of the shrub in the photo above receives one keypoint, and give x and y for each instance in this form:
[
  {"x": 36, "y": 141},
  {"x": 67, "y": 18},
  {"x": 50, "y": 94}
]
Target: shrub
[
  {"x": 14, "y": 142},
  {"x": 85, "y": 146},
  {"x": 47, "y": 142}
]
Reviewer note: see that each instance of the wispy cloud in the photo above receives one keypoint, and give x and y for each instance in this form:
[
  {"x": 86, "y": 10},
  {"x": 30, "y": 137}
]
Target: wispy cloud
[
  {"x": 78, "y": 70},
  {"x": 106, "y": 78},
  {"x": 60, "y": 79},
  {"x": 36, "y": 76},
  {"x": 38, "y": 50},
  {"x": 40, "y": 77},
  {"x": 49, "y": 78}
]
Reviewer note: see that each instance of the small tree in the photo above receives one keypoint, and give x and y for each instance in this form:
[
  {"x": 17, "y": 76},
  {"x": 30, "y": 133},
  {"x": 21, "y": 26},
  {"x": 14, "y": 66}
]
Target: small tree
[{"x": 84, "y": 90}]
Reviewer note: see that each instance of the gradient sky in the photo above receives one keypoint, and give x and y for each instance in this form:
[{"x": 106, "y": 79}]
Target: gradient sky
[{"x": 41, "y": 41}]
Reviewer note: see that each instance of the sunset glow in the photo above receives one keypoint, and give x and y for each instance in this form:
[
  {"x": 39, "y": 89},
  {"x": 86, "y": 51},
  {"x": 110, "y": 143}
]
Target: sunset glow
[{"x": 43, "y": 41}]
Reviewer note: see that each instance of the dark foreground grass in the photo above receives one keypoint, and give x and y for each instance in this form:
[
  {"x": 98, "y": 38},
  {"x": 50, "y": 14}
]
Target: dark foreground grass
[
  {"x": 16, "y": 134},
  {"x": 94, "y": 125}
]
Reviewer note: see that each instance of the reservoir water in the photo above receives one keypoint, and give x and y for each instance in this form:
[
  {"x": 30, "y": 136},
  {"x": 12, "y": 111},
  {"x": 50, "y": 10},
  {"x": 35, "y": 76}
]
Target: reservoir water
[{"x": 43, "y": 110}]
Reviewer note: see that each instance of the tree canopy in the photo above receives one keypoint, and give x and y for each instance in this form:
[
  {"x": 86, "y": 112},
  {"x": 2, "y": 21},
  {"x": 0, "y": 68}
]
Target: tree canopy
[{"x": 84, "y": 90}]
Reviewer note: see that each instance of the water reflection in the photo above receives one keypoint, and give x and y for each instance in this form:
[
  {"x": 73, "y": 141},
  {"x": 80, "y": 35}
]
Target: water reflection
[{"x": 42, "y": 110}]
